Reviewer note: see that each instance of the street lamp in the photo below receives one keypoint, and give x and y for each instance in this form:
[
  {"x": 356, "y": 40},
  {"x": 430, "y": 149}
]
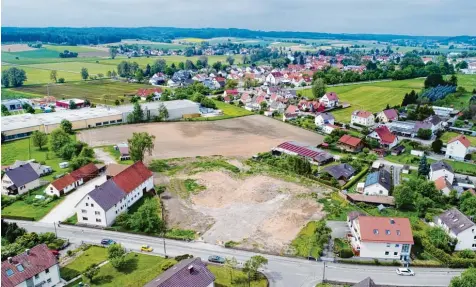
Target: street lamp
[
  {"x": 324, "y": 273},
  {"x": 163, "y": 234}
]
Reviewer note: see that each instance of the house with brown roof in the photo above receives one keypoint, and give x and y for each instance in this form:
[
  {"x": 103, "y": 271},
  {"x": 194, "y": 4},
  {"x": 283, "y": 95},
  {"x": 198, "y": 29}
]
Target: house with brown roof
[
  {"x": 457, "y": 147},
  {"x": 389, "y": 115},
  {"x": 330, "y": 100},
  {"x": 69, "y": 182},
  {"x": 363, "y": 118},
  {"x": 350, "y": 143},
  {"x": 385, "y": 137},
  {"x": 102, "y": 205},
  {"x": 381, "y": 237},
  {"x": 37, "y": 266}
]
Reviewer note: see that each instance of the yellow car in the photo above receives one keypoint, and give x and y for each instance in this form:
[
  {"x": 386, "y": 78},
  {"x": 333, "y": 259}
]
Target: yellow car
[{"x": 146, "y": 248}]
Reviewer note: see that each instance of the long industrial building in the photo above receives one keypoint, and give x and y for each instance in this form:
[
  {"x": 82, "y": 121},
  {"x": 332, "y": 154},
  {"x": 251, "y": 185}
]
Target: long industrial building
[{"x": 20, "y": 126}]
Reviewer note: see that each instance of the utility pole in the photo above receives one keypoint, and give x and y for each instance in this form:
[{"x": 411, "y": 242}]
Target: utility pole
[
  {"x": 163, "y": 236},
  {"x": 324, "y": 273},
  {"x": 29, "y": 148},
  {"x": 56, "y": 233}
]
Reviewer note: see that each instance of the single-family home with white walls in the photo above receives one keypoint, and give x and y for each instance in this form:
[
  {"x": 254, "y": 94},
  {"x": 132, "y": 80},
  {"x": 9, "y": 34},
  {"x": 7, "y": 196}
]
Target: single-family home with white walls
[
  {"x": 378, "y": 183},
  {"x": 458, "y": 226},
  {"x": 384, "y": 136},
  {"x": 37, "y": 266},
  {"x": 389, "y": 115},
  {"x": 40, "y": 169},
  {"x": 380, "y": 237},
  {"x": 362, "y": 118},
  {"x": 443, "y": 185},
  {"x": 441, "y": 169},
  {"x": 329, "y": 128},
  {"x": 20, "y": 180},
  {"x": 330, "y": 100},
  {"x": 69, "y": 182},
  {"x": 322, "y": 119},
  {"x": 102, "y": 205},
  {"x": 458, "y": 147}
]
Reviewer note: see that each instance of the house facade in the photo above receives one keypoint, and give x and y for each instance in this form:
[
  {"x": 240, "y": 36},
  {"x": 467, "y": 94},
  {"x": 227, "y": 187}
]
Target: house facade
[
  {"x": 350, "y": 143},
  {"x": 457, "y": 148},
  {"x": 458, "y": 226},
  {"x": 322, "y": 119},
  {"x": 380, "y": 237},
  {"x": 69, "y": 182},
  {"x": 441, "y": 169},
  {"x": 20, "y": 180},
  {"x": 330, "y": 100},
  {"x": 384, "y": 136},
  {"x": 37, "y": 266},
  {"x": 362, "y": 118},
  {"x": 378, "y": 183},
  {"x": 388, "y": 116}
]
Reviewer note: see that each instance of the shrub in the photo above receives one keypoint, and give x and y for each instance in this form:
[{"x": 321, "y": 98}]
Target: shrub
[
  {"x": 231, "y": 244},
  {"x": 166, "y": 265},
  {"x": 346, "y": 253},
  {"x": 183, "y": 257}
]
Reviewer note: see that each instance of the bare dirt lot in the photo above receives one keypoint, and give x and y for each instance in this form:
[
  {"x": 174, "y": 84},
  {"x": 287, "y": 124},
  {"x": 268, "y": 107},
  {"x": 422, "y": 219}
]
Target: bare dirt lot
[
  {"x": 16, "y": 48},
  {"x": 259, "y": 212},
  {"x": 243, "y": 136}
]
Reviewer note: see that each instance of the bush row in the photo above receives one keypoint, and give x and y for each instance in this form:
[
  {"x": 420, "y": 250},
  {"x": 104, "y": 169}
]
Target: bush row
[{"x": 356, "y": 178}]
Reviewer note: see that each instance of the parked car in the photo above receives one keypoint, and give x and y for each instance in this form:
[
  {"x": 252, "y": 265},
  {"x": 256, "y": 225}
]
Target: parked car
[
  {"x": 216, "y": 259},
  {"x": 146, "y": 248},
  {"x": 107, "y": 242},
  {"x": 405, "y": 272}
]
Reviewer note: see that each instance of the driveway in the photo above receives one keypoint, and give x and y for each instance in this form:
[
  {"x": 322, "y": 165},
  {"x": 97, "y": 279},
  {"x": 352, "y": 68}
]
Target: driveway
[
  {"x": 339, "y": 228},
  {"x": 66, "y": 208},
  {"x": 104, "y": 156}
]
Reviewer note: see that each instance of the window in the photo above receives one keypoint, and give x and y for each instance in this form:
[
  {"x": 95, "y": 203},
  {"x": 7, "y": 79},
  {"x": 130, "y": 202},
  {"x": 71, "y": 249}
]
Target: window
[
  {"x": 98, "y": 124},
  {"x": 388, "y": 244},
  {"x": 87, "y": 204},
  {"x": 397, "y": 245},
  {"x": 9, "y": 272},
  {"x": 375, "y": 231},
  {"x": 97, "y": 212},
  {"x": 398, "y": 232},
  {"x": 20, "y": 268},
  {"x": 386, "y": 252},
  {"x": 105, "y": 123},
  {"x": 47, "y": 270},
  {"x": 84, "y": 211},
  {"x": 92, "y": 205},
  {"x": 37, "y": 276},
  {"x": 98, "y": 220},
  {"x": 387, "y": 232},
  {"x": 395, "y": 253},
  {"x": 405, "y": 248},
  {"x": 474, "y": 245},
  {"x": 85, "y": 218},
  {"x": 49, "y": 280},
  {"x": 119, "y": 120}
]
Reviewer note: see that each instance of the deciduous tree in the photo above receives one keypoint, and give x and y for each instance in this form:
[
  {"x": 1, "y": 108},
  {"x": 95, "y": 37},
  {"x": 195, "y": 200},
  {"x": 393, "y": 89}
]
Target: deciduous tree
[
  {"x": 91, "y": 271},
  {"x": 137, "y": 114},
  {"x": 58, "y": 139},
  {"x": 139, "y": 144},
  {"x": 39, "y": 139},
  {"x": 53, "y": 75},
  {"x": 84, "y": 73},
  {"x": 66, "y": 126},
  {"x": 319, "y": 88},
  {"x": 112, "y": 52}
]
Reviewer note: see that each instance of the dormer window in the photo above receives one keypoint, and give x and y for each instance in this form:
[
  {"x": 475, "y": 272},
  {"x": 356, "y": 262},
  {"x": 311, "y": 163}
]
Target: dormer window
[
  {"x": 375, "y": 231},
  {"x": 387, "y": 232}
]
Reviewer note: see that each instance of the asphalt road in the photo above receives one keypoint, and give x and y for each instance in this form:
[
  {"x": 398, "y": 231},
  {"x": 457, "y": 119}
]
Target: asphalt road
[{"x": 281, "y": 271}]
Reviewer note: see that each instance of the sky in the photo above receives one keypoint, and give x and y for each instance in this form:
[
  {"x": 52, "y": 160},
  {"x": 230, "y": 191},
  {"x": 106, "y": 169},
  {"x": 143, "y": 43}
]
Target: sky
[{"x": 409, "y": 17}]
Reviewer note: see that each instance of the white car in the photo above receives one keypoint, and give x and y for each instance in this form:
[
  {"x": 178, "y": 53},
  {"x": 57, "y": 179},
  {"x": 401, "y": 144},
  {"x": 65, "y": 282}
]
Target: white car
[{"x": 405, "y": 272}]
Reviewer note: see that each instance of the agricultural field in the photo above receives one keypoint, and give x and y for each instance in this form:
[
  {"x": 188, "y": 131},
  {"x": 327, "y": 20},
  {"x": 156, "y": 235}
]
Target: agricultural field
[
  {"x": 467, "y": 81},
  {"x": 75, "y": 67},
  {"x": 94, "y": 91},
  {"x": 143, "y": 61},
  {"x": 77, "y": 49},
  {"x": 42, "y": 76},
  {"x": 190, "y": 40},
  {"x": 145, "y": 43}
]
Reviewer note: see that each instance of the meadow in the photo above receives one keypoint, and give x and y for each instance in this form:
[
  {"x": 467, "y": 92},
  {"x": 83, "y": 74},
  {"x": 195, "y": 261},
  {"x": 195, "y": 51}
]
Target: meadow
[
  {"x": 143, "y": 61},
  {"x": 75, "y": 67},
  {"x": 450, "y": 135},
  {"x": 42, "y": 76}
]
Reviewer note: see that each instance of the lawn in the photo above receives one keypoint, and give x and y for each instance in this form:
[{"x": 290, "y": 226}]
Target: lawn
[
  {"x": 449, "y": 135},
  {"x": 93, "y": 255},
  {"x": 29, "y": 207},
  {"x": 75, "y": 67},
  {"x": 40, "y": 56},
  {"x": 77, "y": 49},
  {"x": 91, "y": 90},
  {"x": 143, "y": 61},
  {"x": 116, "y": 154},
  {"x": 232, "y": 110},
  {"x": 240, "y": 279},
  {"x": 467, "y": 81},
  {"x": 42, "y": 76},
  {"x": 19, "y": 150}
]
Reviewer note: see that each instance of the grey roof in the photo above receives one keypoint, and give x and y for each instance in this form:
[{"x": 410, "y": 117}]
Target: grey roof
[
  {"x": 187, "y": 273},
  {"x": 382, "y": 176},
  {"x": 456, "y": 220},
  {"x": 434, "y": 119},
  {"x": 422, "y": 125},
  {"x": 339, "y": 171},
  {"x": 39, "y": 169},
  {"x": 22, "y": 175},
  {"x": 441, "y": 165},
  {"x": 107, "y": 194},
  {"x": 325, "y": 116},
  {"x": 367, "y": 282}
]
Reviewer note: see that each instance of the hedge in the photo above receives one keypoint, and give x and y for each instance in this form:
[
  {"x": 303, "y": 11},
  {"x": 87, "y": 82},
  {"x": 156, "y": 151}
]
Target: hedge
[
  {"x": 356, "y": 178},
  {"x": 371, "y": 262},
  {"x": 17, "y": 217}
]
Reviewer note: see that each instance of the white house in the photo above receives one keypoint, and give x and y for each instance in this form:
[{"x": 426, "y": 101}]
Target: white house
[
  {"x": 380, "y": 237},
  {"x": 384, "y": 136},
  {"x": 441, "y": 169},
  {"x": 40, "y": 169},
  {"x": 363, "y": 118},
  {"x": 103, "y": 204},
  {"x": 329, "y": 128},
  {"x": 378, "y": 183},
  {"x": 330, "y": 100},
  {"x": 69, "y": 182},
  {"x": 20, "y": 180},
  {"x": 457, "y": 148},
  {"x": 37, "y": 266},
  {"x": 458, "y": 226},
  {"x": 322, "y": 119},
  {"x": 388, "y": 116}
]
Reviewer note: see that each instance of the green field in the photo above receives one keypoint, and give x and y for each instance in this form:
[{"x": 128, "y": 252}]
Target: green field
[
  {"x": 143, "y": 61},
  {"x": 93, "y": 255},
  {"x": 240, "y": 279},
  {"x": 42, "y": 76},
  {"x": 449, "y": 135},
  {"x": 232, "y": 110},
  {"x": 467, "y": 81},
  {"x": 75, "y": 67},
  {"x": 77, "y": 49},
  {"x": 39, "y": 57},
  {"x": 94, "y": 91}
]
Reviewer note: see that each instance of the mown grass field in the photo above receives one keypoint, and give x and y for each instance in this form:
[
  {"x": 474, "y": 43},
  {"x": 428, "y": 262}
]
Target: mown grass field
[
  {"x": 94, "y": 91},
  {"x": 77, "y": 49},
  {"x": 42, "y": 76},
  {"x": 143, "y": 61},
  {"x": 232, "y": 110},
  {"x": 449, "y": 135},
  {"x": 93, "y": 255},
  {"x": 75, "y": 67}
]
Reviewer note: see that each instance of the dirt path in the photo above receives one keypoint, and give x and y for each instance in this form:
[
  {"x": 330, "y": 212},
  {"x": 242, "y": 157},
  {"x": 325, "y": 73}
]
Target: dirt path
[{"x": 104, "y": 156}]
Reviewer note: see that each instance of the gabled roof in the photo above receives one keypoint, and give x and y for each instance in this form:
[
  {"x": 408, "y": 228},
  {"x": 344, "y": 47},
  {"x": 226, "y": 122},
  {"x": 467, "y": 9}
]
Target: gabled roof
[
  {"x": 132, "y": 177},
  {"x": 40, "y": 259},
  {"x": 114, "y": 169},
  {"x": 339, "y": 171},
  {"x": 325, "y": 116},
  {"x": 305, "y": 151},
  {"x": 456, "y": 220},
  {"x": 292, "y": 109},
  {"x": 367, "y": 282},
  {"x": 441, "y": 183},
  {"x": 439, "y": 165},
  {"x": 85, "y": 172},
  {"x": 232, "y": 92},
  {"x": 22, "y": 175},
  {"x": 107, "y": 194},
  {"x": 433, "y": 119},
  {"x": 362, "y": 114},
  {"x": 462, "y": 139},
  {"x": 385, "y": 229},
  {"x": 382, "y": 177},
  {"x": 187, "y": 273},
  {"x": 350, "y": 140},
  {"x": 385, "y": 135},
  {"x": 331, "y": 96},
  {"x": 391, "y": 114}
]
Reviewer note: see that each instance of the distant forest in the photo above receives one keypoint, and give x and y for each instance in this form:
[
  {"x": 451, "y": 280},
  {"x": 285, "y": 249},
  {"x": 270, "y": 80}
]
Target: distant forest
[{"x": 102, "y": 35}]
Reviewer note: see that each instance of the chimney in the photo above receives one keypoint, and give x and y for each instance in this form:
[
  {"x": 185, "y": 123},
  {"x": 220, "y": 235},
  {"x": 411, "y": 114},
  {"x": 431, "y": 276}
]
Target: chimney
[
  {"x": 10, "y": 260},
  {"x": 190, "y": 269},
  {"x": 392, "y": 221},
  {"x": 27, "y": 252},
  {"x": 96, "y": 186}
]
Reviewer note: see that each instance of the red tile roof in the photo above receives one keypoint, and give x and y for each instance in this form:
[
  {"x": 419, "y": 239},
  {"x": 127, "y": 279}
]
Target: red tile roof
[
  {"x": 462, "y": 139},
  {"x": 385, "y": 229},
  {"x": 391, "y": 114},
  {"x": 85, "y": 172},
  {"x": 332, "y": 96},
  {"x": 39, "y": 260},
  {"x": 292, "y": 109},
  {"x": 147, "y": 92},
  {"x": 232, "y": 92},
  {"x": 441, "y": 183},
  {"x": 385, "y": 135},
  {"x": 350, "y": 140},
  {"x": 133, "y": 176},
  {"x": 362, "y": 114},
  {"x": 219, "y": 79},
  {"x": 63, "y": 182}
]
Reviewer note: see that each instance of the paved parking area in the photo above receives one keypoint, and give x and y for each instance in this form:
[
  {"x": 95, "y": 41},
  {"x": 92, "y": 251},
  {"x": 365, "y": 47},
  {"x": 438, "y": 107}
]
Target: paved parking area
[
  {"x": 339, "y": 228},
  {"x": 66, "y": 209}
]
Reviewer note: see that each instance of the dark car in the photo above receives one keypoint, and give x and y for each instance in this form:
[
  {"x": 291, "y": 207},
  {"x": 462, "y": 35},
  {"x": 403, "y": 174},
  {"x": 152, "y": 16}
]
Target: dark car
[
  {"x": 216, "y": 259},
  {"x": 107, "y": 242}
]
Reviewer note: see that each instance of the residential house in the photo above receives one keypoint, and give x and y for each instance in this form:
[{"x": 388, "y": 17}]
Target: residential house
[
  {"x": 443, "y": 185},
  {"x": 232, "y": 93},
  {"x": 388, "y": 116},
  {"x": 441, "y": 169},
  {"x": 158, "y": 79},
  {"x": 40, "y": 169},
  {"x": 272, "y": 90},
  {"x": 385, "y": 137},
  {"x": 69, "y": 182},
  {"x": 436, "y": 123},
  {"x": 458, "y": 147},
  {"x": 378, "y": 183},
  {"x": 246, "y": 98},
  {"x": 329, "y": 128},
  {"x": 274, "y": 78},
  {"x": 103, "y": 204},
  {"x": 350, "y": 143},
  {"x": 20, "y": 180},
  {"x": 312, "y": 154},
  {"x": 277, "y": 107},
  {"x": 458, "y": 226},
  {"x": 219, "y": 82},
  {"x": 367, "y": 282},
  {"x": 289, "y": 116},
  {"x": 330, "y": 100},
  {"x": 37, "y": 266},
  {"x": 341, "y": 172},
  {"x": 362, "y": 118},
  {"x": 381, "y": 237},
  {"x": 322, "y": 119},
  {"x": 292, "y": 109},
  {"x": 190, "y": 272},
  {"x": 228, "y": 99},
  {"x": 154, "y": 93}
]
